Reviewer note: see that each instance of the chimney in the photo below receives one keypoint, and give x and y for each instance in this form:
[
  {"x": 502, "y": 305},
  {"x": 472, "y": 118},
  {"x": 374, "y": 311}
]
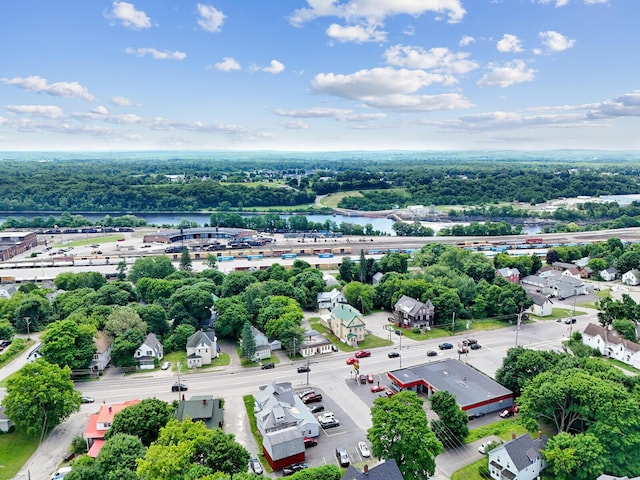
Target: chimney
[
  {"x": 513, "y": 435},
  {"x": 204, "y": 401},
  {"x": 366, "y": 469},
  {"x": 110, "y": 408}
]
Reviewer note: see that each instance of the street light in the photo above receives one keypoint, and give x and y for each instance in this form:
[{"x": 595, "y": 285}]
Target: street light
[
  {"x": 518, "y": 322},
  {"x": 401, "y": 334},
  {"x": 27, "y": 321},
  {"x": 179, "y": 384}
]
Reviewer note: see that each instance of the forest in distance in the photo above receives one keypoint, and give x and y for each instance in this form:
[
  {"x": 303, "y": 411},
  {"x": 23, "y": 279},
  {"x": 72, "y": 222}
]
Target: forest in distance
[{"x": 484, "y": 187}]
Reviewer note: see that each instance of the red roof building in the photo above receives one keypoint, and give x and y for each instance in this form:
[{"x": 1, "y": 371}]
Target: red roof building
[{"x": 99, "y": 423}]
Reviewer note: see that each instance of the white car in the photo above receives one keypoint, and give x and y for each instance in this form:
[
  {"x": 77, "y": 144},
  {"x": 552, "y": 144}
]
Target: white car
[
  {"x": 486, "y": 446},
  {"x": 364, "y": 450},
  {"x": 166, "y": 365},
  {"x": 61, "y": 473},
  {"x": 325, "y": 416}
]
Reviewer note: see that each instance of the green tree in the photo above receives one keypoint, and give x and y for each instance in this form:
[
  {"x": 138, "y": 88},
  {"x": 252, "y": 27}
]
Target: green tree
[
  {"x": 522, "y": 365},
  {"x": 124, "y": 347},
  {"x": 181, "y": 445},
  {"x": 574, "y": 457},
  {"x": 248, "y": 342},
  {"x": 122, "y": 319},
  {"x": 362, "y": 268},
  {"x": 40, "y": 396},
  {"x": 451, "y": 425},
  {"x": 66, "y": 343},
  {"x": 121, "y": 270},
  {"x": 157, "y": 266},
  {"x": 323, "y": 472},
  {"x": 211, "y": 261},
  {"x": 235, "y": 283},
  {"x": 626, "y": 328},
  {"x": 185, "y": 261},
  {"x": 178, "y": 339},
  {"x": 32, "y": 310},
  {"x": 143, "y": 420},
  {"x": 346, "y": 269},
  {"x": 232, "y": 315},
  {"x": 118, "y": 457},
  {"x": 72, "y": 281},
  {"x": 191, "y": 305},
  {"x": 400, "y": 430},
  {"x": 360, "y": 296},
  {"x": 155, "y": 317}
]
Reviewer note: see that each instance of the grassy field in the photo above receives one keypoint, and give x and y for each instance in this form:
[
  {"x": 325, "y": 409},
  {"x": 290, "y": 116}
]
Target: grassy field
[
  {"x": 15, "y": 449},
  {"x": 371, "y": 341},
  {"x": 333, "y": 199},
  {"x": 181, "y": 357}
]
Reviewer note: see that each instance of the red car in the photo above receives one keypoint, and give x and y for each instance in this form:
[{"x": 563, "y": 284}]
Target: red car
[
  {"x": 376, "y": 389},
  {"x": 363, "y": 353},
  {"x": 310, "y": 442},
  {"x": 370, "y": 378},
  {"x": 351, "y": 361}
]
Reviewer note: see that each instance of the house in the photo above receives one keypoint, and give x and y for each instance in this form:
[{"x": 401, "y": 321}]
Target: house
[
  {"x": 509, "y": 274},
  {"x": 263, "y": 347},
  {"x": 102, "y": 357},
  {"x": 411, "y": 313},
  {"x": 542, "y": 306},
  {"x": 329, "y": 300},
  {"x": 7, "y": 290},
  {"x": 202, "y": 347},
  {"x": 150, "y": 351},
  {"x": 519, "y": 459},
  {"x": 283, "y": 421},
  {"x": 35, "y": 353},
  {"x": 611, "y": 344},
  {"x": 204, "y": 408},
  {"x": 5, "y": 422},
  {"x": 575, "y": 272},
  {"x": 377, "y": 277},
  {"x": 609, "y": 274},
  {"x": 387, "y": 470},
  {"x": 99, "y": 423},
  {"x": 330, "y": 280},
  {"x": 632, "y": 277},
  {"x": 314, "y": 343},
  {"x": 346, "y": 323}
]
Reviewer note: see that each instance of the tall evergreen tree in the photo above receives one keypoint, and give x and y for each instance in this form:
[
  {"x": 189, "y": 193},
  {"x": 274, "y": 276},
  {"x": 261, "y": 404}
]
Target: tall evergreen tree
[{"x": 248, "y": 346}]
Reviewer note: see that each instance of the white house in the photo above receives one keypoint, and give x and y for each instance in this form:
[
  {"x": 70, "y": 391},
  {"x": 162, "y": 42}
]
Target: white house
[
  {"x": 277, "y": 406},
  {"x": 611, "y": 344},
  {"x": 609, "y": 274},
  {"x": 519, "y": 459},
  {"x": 5, "y": 422},
  {"x": 102, "y": 357},
  {"x": 632, "y": 277},
  {"x": 329, "y": 300},
  {"x": 7, "y": 290},
  {"x": 542, "y": 306},
  {"x": 314, "y": 343},
  {"x": 150, "y": 351},
  {"x": 202, "y": 347},
  {"x": 263, "y": 347}
]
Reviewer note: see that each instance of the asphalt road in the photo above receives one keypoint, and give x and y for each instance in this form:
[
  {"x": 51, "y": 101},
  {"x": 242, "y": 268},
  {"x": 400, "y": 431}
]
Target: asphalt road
[{"x": 329, "y": 373}]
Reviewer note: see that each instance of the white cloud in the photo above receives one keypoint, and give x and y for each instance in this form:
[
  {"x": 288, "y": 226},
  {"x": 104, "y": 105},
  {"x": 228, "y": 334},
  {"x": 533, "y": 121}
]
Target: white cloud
[
  {"x": 388, "y": 88},
  {"x": 274, "y": 67},
  {"x": 375, "y": 11},
  {"x": 156, "y": 54},
  {"x": 121, "y": 101},
  {"x": 555, "y": 42},
  {"x": 211, "y": 19},
  {"x": 128, "y": 16},
  {"x": 38, "y": 84},
  {"x": 506, "y": 75},
  {"x": 466, "y": 40},
  {"x": 509, "y": 43},
  {"x": 297, "y": 125},
  {"x": 47, "y": 111},
  {"x": 356, "y": 33},
  {"x": 339, "y": 114},
  {"x": 627, "y": 105},
  {"x": 227, "y": 64},
  {"x": 438, "y": 59},
  {"x": 100, "y": 110}
]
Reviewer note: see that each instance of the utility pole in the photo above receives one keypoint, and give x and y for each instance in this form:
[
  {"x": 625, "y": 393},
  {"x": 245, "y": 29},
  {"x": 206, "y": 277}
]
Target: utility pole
[
  {"x": 453, "y": 322},
  {"x": 518, "y": 322},
  {"x": 401, "y": 335},
  {"x": 27, "y": 320},
  {"x": 179, "y": 384}
]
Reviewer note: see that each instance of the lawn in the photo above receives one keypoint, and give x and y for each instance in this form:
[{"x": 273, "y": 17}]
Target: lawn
[
  {"x": 181, "y": 357},
  {"x": 370, "y": 341},
  {"x": 15, "y": 449},
  {"x": 471, "y": 471},
  {"x": 502, "y": 429},
  {"x": 81, "y": 242}
]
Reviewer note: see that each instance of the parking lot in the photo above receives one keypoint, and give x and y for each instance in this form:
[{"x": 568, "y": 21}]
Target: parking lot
[{"x": 347, "y": 436}]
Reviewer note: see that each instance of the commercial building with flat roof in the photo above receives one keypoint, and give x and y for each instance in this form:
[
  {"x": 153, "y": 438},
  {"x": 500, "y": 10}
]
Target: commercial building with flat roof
[{"x": 475, "y": 392}]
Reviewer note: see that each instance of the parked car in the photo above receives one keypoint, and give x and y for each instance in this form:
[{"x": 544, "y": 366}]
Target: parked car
[
  {"x": 256, "y": 466},
  {"x": 389, "y": 393},
  {"x": 61, "y": 473},
  {"x": 469, "y": 341},
  {"x": 166, "y": 365},
  {"x": 432, "y": 353},
  {"x": 178, "y": 387},
  {"x": 310, "y": 442},
  {"x": 86, "y": 399},
  {"x": 306, "y": 392},
  {"x": 370, "y": 378},
  {"x": 312, "y": 398},
  {"x": 377, "y": 388},
  {"x": 325, "y": 416},
  {"x": 334, "y": 348},
  {"x": 463, "y": 349},
  {"x": 476, "y": 346},
  {"x": 569, "y": 321},
  {"x": 343, "y": 457},
  {"x": 364, "y": 449},
  {"x": 303, "y": 369},
  {"x": 363, "y": 379},
  {"x": 316, "y": 408},
  {"x": 267, "y": 366},
  {"x": 398, "y": 332},
  {"x": 330, "y": 423},
  {"x": 351, "y": 360},
  {"x": 362, "y": 354},
  {"x": 445, "y": 346},
  {"x": 485, "y": 447},
  {"x": 291, "y": 469},
  {"x": 508, "y": 412},
  {"x": 393, "y": 354}
]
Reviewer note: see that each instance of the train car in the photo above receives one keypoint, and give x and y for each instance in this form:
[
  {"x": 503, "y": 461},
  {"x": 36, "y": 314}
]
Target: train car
[
  {"x": 532, "y": 240},
  {"x": 254, "y": 257},
  {"x": 325, "y": 255},
  {"x": 286, "y": 256},
  {"x": 225, "y": 258}
]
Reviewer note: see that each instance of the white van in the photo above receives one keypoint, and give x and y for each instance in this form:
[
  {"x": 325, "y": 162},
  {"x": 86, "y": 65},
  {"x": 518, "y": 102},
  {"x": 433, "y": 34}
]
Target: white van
[{"x": 61, "y": 473}]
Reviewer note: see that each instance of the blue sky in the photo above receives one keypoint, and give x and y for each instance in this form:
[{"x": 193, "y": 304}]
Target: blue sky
[{"x": 319, "y": 75}]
